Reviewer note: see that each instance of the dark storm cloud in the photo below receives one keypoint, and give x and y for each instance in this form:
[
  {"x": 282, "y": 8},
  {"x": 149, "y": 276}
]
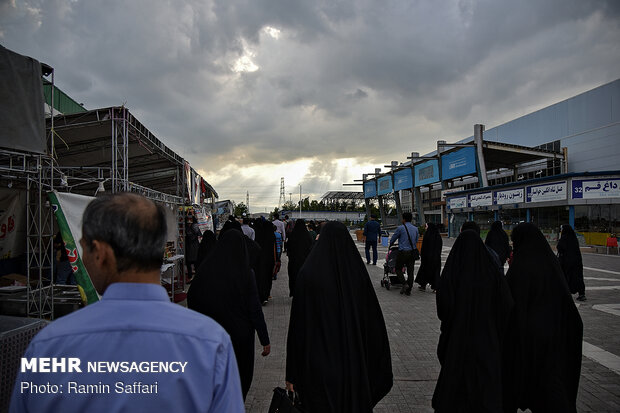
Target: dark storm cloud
[{"x": 332, "y": 79}]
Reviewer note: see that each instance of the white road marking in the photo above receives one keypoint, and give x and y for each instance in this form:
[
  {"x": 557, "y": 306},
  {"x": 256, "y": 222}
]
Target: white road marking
[
  {"x": 603, "y": 287},
  {"x": 600, "y": 270},
  {"x": 607, "y": 359},
  {"x": 608, "y": 308},
  {"x": 601, "y": 279}
]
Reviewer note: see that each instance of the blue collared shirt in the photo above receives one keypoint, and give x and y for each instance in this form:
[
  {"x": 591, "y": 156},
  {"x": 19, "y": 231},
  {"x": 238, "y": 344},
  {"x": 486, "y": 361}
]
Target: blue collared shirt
[
  {"x": 401, "y": 235},
  {"x": 134, "y": 323}
]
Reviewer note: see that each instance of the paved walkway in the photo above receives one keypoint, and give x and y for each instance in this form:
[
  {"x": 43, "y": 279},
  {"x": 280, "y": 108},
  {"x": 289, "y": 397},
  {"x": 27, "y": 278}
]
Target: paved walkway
[{"x": 413, "y": 330}]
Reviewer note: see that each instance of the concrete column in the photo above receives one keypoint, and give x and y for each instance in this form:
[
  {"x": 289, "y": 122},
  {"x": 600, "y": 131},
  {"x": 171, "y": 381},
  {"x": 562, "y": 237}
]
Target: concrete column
[
  {"x": 399, "y": 210},
  {"x": 496, "y": 215},
  {"x": 528, "y": 215},
  {"x": 571, "y": 216},
  {"x": 418, "y": 206},
  {"x": 367, "y": 208},
  {"x": 482, "y": 169},
  {"x": 381, "y": 209}
]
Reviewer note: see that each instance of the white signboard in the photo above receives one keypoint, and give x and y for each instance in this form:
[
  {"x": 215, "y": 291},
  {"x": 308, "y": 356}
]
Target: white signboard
[
  {"x": 596, "y": 188},
  {"x": 549, "y": 192},
  {"x": 511, "y": 196},
  {"x": 485, "y": 199},
  {"x": 458, "y": 202}
]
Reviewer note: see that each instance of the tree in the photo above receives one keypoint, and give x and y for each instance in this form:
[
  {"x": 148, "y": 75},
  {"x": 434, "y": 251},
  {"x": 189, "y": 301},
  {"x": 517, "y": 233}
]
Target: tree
[
  {"x": 240, "y": 209},
  {"x": 289, "y": 206}
]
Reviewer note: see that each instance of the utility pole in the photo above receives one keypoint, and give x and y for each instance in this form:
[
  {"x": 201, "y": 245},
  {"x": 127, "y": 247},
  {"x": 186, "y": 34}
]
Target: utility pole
[
  {"x": 299, "y": 200},
  {"x": 282, "y": 198},
  {"x": 247, "y": 201}
]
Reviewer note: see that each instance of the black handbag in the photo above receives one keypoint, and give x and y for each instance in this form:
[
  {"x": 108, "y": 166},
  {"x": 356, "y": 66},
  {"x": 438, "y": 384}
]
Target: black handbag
[
  {"x": 415, "y": 253},
  {"x": 284, "y": 402}
]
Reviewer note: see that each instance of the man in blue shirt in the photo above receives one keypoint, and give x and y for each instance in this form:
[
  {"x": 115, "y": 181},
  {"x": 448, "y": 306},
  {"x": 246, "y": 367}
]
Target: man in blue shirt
[
  {"x": 134, "y": 350},
  {"x": 372, "y": 232},
  {"x": 407, "y": 237}
]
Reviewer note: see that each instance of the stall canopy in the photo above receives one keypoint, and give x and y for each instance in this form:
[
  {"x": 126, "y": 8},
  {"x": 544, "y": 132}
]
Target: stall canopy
[
  {"x": 87, "y": 140},
  {"x": 21, "y": 103}
]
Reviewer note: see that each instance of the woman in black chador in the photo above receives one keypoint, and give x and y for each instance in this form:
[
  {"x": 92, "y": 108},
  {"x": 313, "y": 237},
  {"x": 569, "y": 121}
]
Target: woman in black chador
[
  {"x": 473, "y": 304},
  {"x": 430, "y": 255},
  {"x": 497, "y": 240},
  {"x": 267, "y": 259},
  {"x": 299, "y": 244},
  {"x": 225, "y": 289},
  {"x": 570, "y": 261},
  {"x": 206, "y": 246},
  {"x": 542, "y": 349},
  {"x": 337, "y": 353}
]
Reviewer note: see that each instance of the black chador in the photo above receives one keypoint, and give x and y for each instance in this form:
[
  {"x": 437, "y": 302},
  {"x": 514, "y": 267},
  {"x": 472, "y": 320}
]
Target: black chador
[
  {"x": 338, "y": 354},
  {"x": 298, "y": 246},
  {"x": 473, "y": 304},
  {"x": 430, "y": 262},
  {"x": 543, "y": 345},
  {"x": 225, "y": 290}
]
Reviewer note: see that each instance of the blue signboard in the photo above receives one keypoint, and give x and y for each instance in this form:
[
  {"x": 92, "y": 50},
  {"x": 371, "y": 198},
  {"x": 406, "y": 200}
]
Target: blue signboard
[
  {"x": 426, "y": 172},
  {"x": 458, "y": 163},
  {"x": 384, "y": 185},
  {"x": 403, "y": 179},
  {"x": 370, "y": 189}
]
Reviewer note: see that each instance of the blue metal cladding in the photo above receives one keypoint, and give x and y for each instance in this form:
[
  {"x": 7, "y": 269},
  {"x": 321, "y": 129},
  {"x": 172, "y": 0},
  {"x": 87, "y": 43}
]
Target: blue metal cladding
[
  {"x": 384, "y": 185},
  {"x": 370, "y": 189},
  {"x": 403, "y": 179},
  {"x": 458, "y": 163},
  {"x": 426, "y": 172}
]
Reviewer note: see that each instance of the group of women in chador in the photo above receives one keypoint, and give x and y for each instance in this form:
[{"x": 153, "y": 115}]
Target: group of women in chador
[{"x": 506, "y": 342}]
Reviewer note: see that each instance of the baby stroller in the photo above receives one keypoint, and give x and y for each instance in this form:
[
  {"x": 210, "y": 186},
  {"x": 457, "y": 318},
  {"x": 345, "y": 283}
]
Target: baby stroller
[{"x": 389, "y": 269}]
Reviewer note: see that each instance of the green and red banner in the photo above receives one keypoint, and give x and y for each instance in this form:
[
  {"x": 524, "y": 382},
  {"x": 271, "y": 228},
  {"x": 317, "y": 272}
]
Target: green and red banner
[{"x": 68, "y": 209}]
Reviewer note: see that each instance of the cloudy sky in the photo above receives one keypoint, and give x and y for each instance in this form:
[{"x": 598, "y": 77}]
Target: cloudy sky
[{"x": 317, "y": 92}]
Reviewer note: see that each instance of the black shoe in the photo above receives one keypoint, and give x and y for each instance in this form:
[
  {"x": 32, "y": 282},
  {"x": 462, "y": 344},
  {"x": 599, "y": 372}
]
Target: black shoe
[
  {"x": 408, "y": 291},
  {"x": 582, "y": 297},
  {"x": 374, "y": 263},
  {"x": 367, "y": 262},
  {"x": 403, "y": 289}
]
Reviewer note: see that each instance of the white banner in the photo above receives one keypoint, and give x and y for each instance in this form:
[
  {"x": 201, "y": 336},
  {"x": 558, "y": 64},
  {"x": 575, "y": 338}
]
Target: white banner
[
  {"x": 485, "y": 199},
  {"x": 511, "y": 196},
  {"x": 548, "y": 192},
  {"x": 73, "y": 207},
  {"x": 460, "y": 202}
]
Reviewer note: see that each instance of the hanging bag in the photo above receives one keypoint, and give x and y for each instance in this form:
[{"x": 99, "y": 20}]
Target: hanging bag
[
  {"x": 414, "y": 248},
  {"x": 283, "y": 402}
]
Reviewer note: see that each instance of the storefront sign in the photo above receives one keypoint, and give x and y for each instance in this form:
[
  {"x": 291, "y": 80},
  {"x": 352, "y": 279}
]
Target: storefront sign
[
  {"x": 548, "y": 192},
  {"x": 403, "y": 179},
  {"x": 596, "y": 188},
  {"x": 460, "y": 202},
  {"x": 426, "y": 172},
  {"x": 384, "y": 185},
  {"x": 370, "y": 189},
  {"x": 485, "y": 199},
  {"x": 458, "y": 163},
  {"x": 511, "y": 196}
]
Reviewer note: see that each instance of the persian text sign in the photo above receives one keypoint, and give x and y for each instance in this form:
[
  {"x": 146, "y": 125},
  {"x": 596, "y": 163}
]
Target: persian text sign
[
  {"x": 484, "y": 199},
  {"x": 460, "y": 202},
  {"x": 596, "y": 188},
  {"x": 384, "y": 185},
  {"x": 370, "y": 189},
  {"x": 547, "y": 192},
  {"x": 511, "y": 196},
  {"x": 403, "y": 179}
]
